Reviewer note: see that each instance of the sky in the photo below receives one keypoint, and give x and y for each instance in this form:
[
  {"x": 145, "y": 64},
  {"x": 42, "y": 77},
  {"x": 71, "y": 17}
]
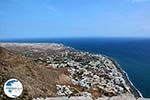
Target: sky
[{"x": 74, "y": 18}]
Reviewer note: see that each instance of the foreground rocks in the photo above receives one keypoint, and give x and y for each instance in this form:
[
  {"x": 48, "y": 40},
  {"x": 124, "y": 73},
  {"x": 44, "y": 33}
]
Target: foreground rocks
[
  {"x": 120, "y": 97},
  {"x": 54, "y": 70}
]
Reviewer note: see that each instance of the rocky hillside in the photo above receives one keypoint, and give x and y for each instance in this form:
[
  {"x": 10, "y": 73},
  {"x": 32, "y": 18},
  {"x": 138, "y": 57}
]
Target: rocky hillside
[
  {"x": 48, "y": 70},
  {"x": 37, "y": 80}
]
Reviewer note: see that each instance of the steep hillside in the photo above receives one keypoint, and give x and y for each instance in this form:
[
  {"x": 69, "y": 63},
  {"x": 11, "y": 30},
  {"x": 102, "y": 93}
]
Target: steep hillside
[{"x": 37, "y": 80}]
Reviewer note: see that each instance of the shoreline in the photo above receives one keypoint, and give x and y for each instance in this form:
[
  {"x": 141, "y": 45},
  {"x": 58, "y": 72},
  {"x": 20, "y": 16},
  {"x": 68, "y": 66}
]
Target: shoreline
[{"x": 133, "y": 90}]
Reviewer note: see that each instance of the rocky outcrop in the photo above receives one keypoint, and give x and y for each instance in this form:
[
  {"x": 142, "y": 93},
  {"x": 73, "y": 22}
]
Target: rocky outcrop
[{"x": 120, "y": 97}]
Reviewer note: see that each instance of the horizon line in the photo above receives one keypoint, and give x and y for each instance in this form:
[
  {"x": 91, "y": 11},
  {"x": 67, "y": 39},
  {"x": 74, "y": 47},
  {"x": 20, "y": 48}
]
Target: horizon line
[{"x": 34, "y": 38}]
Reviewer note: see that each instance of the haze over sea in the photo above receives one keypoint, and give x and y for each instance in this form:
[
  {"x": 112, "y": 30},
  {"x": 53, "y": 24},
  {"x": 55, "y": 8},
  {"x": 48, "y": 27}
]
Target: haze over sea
[{"x": 133, "y": 54}]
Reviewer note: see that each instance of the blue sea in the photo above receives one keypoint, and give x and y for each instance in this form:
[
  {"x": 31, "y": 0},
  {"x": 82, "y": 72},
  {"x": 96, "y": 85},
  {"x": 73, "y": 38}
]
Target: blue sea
[{"x": 132, "y": 54}]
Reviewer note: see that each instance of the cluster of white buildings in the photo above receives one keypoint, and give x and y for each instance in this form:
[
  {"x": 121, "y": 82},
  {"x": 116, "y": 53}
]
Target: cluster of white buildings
[
  {"x": 90, "y": 71},
  {"x": 86, "y": 70}
]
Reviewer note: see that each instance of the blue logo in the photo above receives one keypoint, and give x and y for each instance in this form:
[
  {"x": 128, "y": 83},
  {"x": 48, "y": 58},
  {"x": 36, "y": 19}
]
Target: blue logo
[{"x": 13, "y": 88}]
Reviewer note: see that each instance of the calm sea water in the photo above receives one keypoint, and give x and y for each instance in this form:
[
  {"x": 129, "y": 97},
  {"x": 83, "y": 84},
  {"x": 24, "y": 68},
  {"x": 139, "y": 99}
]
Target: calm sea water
[{"x": 133, "y": 55}]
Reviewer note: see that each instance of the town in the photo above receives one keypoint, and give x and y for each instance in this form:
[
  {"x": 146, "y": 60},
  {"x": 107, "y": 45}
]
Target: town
[{"x": 91, "y": 74}]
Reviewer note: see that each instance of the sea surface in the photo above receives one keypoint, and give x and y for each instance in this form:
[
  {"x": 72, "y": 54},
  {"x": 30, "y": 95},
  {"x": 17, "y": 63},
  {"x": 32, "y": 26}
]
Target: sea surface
[{"x": 132, "y": 54}]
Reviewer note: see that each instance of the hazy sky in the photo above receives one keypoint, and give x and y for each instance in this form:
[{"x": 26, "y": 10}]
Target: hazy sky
[{"x": 74, "y": 18}]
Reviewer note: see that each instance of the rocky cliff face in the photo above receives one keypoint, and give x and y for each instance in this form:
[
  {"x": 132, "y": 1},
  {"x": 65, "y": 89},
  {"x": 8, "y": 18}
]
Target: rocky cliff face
[{"x": 54, "y": 70}]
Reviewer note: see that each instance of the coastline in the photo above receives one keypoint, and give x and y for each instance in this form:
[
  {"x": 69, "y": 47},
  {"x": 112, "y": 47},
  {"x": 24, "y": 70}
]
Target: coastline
[{"x": 134, "y": 90}]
